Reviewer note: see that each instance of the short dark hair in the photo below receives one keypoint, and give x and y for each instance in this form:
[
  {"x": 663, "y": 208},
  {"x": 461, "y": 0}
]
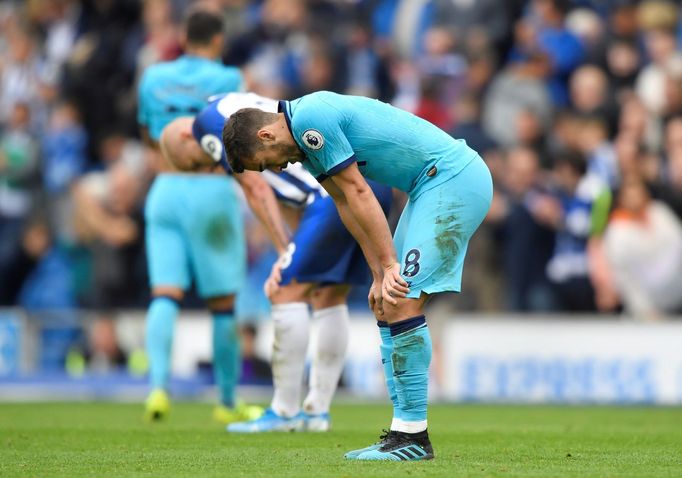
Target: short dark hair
[
  {"x": 202, "y": 25},
  {"x": 239, "y": 135},
  {"x": 572, "y": 159}
]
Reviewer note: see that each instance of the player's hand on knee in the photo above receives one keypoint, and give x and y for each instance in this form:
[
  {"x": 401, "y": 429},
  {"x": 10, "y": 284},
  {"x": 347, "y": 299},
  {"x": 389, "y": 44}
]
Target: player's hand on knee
[
  {"x": 374, "y": 298},
  {"x": 271, "y": 285},
  {"x": 393, "y": 285}
]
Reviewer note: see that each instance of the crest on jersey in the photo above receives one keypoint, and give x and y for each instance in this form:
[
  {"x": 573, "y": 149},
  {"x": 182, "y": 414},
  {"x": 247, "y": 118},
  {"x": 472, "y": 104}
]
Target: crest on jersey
[
  {"x": 313, "y": 139},
  {"x": 212, "y": 145}
]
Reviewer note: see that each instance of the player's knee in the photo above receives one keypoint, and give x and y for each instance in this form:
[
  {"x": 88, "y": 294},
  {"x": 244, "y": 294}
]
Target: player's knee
[
  {"x": 330, "y": 296},
  {"x": 405, "y": 309},
  {"x": 175, "y": 293},
  {"x": 221, "y": 303},
  {"x": 291, "y": 293}
]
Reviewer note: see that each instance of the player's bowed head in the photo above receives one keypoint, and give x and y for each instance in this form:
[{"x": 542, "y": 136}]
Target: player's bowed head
[
  {"x": 256, "y": 140},
  {"x": 181, "y": 150}
]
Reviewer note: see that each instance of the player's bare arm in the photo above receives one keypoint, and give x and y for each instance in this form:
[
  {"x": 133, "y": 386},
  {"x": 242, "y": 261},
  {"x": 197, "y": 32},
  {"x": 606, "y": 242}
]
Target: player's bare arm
[
  {"x": 263, "y": 203},
  {"x": 367, "y": 212},
  {"x": 374, "y": 294}
]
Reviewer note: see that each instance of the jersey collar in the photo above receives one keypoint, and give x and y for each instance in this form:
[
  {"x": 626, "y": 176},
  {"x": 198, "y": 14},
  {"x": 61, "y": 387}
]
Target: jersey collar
[{"x": 285, "y": 107}]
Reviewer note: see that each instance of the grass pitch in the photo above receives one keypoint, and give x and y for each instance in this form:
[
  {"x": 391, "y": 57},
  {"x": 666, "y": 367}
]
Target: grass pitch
[{"x": 102, "y": 439}]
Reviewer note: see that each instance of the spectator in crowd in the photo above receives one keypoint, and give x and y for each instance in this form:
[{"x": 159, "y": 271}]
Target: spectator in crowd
[
  {"x": 23, "y": 74},
  {"x": 667, "y": 187},
  {"x": 47, "y": 294},
  {"x": 590, "y": 96},
  {"x": 18, "y": 183},
  {"x": 643, "y": 243},
  {"x": 64, "y": 160},
  {"x": 109, "y": 223},
  {"x": 546, "y": 49},
  {"x": 108, "y": 220},
  {"x": 578, "y": 213},
  {"x": 594, "y": 144},
  {"x": 468, "y": 119},
  {"x": 527, "y": 244},
  {"x": 623, "y": 59},
  {"x": 664, "y": 58},
  {"x": 465, "y": 19}
]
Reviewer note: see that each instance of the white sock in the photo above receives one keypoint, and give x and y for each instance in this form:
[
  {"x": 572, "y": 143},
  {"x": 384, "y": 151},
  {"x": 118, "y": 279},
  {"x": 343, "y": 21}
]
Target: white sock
[
  {"x": 411, "y": 427},
  {"x": 292, "y": 329},
  {"x": 328, "y": 359},
  {"x": 396, "y": 423}
]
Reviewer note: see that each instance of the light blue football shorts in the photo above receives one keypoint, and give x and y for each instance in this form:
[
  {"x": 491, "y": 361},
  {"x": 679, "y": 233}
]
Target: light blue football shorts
[
  {"x": 436, "y": 225},
  {"x": 194, "y": 229}
]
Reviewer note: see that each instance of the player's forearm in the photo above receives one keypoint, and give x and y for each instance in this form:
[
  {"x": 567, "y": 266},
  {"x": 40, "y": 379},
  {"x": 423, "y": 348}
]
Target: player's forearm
[
  {"x": 370, "y": 217},
  {"x": 362, "y": 239},
  {"x": 89, "y": 211},
  {"x": 266, "y": 208}
]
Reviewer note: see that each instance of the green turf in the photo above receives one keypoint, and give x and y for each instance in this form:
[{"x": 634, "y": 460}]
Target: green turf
[{"x": 100, "y": 439}]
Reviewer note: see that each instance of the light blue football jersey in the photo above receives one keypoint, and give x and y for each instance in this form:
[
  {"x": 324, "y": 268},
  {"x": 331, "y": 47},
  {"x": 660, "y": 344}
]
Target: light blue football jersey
[
  {"x": 390, "y": 145},
  {"x": 181, "y": 88}
]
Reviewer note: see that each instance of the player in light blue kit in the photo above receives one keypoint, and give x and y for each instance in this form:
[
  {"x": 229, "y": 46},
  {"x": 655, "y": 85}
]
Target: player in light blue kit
[
  {"x": 342, "y": 140},
  {"x": 193, "y": 225},
  {"x": 319, "y": 267}
]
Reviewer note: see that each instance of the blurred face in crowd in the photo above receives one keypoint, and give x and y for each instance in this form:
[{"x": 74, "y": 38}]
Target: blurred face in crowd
[
  {"x": 588, "y": 88},
  {"x": 623, "y": 20},
  {"x": 623, "y": 59},
  {"x": 633, "y": 196},
  {"x": 547, "y": 11},
  {"x": 21, "y": 115},
  {"x": 21, "y": 45},
  {"x": 565, "y": 131},
  {"x": 660, "y": 45},
  {"x": 283, "y": 16},
  {"x": 673, "y": 135},
  {"x": 566, "y": 177},
  {"x": 633, "y": 119},
  {"x": 673, "y": 92},
  {"x": 522, "y": 167},
  {"x": 592, "y": 133},
  {"x": 627, "y": 154},
  {"x": 528, "y": 127},
  {"x": 438, "y": 41},
  {"x": 675, "y": 168}
]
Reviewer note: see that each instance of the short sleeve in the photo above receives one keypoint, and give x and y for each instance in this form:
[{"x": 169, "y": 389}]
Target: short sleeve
[
  {"x": 319, "y": 130},
  {"x": 206, "y": 129}
]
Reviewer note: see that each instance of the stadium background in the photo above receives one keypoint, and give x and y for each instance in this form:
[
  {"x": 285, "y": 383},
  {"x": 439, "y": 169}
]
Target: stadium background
[{"x": 571, "y": 285}]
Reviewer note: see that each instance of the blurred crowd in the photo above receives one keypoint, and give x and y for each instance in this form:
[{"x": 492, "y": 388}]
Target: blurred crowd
[{"x": 575, "y": 105}]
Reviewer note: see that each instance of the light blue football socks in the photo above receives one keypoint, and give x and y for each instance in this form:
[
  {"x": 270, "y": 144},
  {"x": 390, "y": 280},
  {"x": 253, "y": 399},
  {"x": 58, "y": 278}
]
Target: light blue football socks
[
  {"x": 226, "y": 355},
  {"x": 411, "y": 359},
  {"x": 406, "y": 356},
  {"x": 386, "y": 353},
  {"x": 161, "y": 317}
]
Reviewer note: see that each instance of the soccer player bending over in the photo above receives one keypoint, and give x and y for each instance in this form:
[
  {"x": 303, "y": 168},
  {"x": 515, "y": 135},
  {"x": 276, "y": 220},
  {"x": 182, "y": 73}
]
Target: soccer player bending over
[
  {"x": 341, "y": 140},
  {"x": 317, "y": 268}
]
